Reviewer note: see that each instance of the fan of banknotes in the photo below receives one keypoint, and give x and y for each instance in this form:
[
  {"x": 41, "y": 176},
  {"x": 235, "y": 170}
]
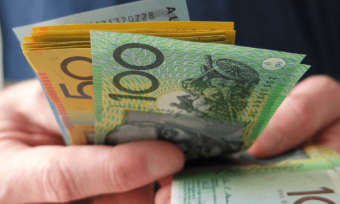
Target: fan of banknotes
[
  {"x": 66, "y": 49},
  {"x": 209, "y": 97},
  {"x": 180, "y": 81}
]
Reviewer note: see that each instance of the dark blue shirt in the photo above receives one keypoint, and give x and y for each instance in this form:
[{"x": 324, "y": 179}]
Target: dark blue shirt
[{"x": 309, "y": 27}]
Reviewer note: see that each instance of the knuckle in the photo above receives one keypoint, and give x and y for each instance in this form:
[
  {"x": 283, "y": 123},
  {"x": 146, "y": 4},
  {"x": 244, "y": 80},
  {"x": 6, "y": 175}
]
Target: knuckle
[
  {"x": 334, "y": 89},
  {"x": 56, "y": 182},
  {"x": 329, "y": 84},
  {"x": 118, "y": 175},
  {"x": 321, "y": 78},
  {"x": 302, "y": 111},
  {"x": 327, "y": 94},
  {"x": 119, "y": 178}
]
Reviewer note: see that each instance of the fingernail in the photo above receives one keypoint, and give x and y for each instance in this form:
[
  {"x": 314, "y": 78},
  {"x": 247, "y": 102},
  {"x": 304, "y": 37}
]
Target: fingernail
[{"x": 163, "y": 165}]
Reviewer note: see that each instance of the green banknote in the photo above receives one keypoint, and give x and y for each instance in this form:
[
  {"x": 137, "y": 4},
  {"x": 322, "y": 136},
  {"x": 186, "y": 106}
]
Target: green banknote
[
  {"x": 291, "y": 182},
  {"x": 207, "y": 98},
  {"x": 243, "y": 158}
]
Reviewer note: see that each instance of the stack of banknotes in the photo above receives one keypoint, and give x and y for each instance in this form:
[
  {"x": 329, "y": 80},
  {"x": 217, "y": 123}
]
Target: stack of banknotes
[
  {"x": 61, "y": 57},
  {"x": 164, "y": 77},
  {"x": 183, "y": 82}
]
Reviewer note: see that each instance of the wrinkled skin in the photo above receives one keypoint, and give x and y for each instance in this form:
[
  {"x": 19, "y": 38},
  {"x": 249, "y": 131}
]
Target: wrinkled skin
[{"x": 36, "y": 166}]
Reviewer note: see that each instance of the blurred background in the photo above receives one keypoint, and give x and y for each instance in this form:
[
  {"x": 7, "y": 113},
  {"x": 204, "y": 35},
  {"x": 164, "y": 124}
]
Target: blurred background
[{"x": 309, "y": 27}]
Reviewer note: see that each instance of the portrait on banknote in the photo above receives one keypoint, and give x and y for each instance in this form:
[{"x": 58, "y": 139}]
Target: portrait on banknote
[{"x": 197, "y": 138}]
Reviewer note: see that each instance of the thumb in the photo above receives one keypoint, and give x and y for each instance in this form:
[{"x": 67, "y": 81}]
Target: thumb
[
  {"x": 62, "y": 174},
  {"x": 143, "y": 195}
]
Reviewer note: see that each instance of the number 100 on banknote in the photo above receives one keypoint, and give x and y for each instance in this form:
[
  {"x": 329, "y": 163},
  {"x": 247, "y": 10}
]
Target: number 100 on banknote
[{"x": 207, "y": 98}]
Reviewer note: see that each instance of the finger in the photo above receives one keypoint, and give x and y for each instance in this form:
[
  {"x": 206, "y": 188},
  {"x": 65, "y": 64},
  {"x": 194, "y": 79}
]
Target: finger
[
  {"x": 311, "y": 105},
  {"x": 31, "y": 139},
  {"x": 61, "y": 174},
  {"x": 163, "y": 195},
  {"x": 142, "y": 195},
  {"x": 35, "y": 115},
  {"x": 31, "y": 122},
  {"x": 82, "y": 201},
  {"x": 166, "y": 180},
  {"x": 331, "y": 136}
]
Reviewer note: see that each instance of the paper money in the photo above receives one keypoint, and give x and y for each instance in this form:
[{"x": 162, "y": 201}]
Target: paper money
[
  {"x": 182, "y": 26},
  {"x": 290, "y": 182},
  {"x": 227, "y": 38},
  {"x": 160, "y": 32},
  {"x": 66, "y": 75},
  {"x": 336, "y": 164},
  {"x": 139, "y": 11},
  {"x": 234, "y": 87},
  {"x": 243, "y": 158},
  {"x": 65, "y": 70},
  {"x": 318, "y": 150}
]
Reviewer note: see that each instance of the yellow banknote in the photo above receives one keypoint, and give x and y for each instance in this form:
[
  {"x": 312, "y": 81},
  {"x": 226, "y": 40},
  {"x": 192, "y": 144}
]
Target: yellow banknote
[
  {"x": 156, "y": 32},
  {"x": 61, "y": 47},
  {"x": 66, "y": 75},
  {"x": 56, "y": 38},
  {"x": 52, "y": 44},
  {"x": 189, "y": 36},
  {"x": 180, "y": 25}
]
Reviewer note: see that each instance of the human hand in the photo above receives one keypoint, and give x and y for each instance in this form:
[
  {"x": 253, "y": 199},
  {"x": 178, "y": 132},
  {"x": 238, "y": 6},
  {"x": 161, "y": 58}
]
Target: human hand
[
  {"x": 310, "y": 113},
  {"x": 36, "y": 167}
]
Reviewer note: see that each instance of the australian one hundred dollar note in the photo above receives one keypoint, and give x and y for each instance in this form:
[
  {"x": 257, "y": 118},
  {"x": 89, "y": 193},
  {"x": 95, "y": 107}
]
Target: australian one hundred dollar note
[{"x": 208, "y": 98}]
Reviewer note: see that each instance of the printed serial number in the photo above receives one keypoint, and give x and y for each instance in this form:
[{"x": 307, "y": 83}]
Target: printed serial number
[{"x": 134, "y": 18}]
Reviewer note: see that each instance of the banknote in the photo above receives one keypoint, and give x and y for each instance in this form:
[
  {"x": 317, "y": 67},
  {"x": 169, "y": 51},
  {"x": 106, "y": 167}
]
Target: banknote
[
  {"x": 243, "y": 158},
  {"x": 65, "y": 70},
  {"x": 222, "y": 85},
  {"x": 169, "y": 25},
  {"x": 65, "y": 39},
  {"x": 290, "y": 182},
  {"x": 336, "y": 163},
  {"x": 66, "y": 75},
  {"x": 319, "y": 150},
  {"x": 139, "y": 11},
  {"x": 160, "y": 32},
  {"x": 206, "y": 38},
  {"x": 63, "y": 130}
]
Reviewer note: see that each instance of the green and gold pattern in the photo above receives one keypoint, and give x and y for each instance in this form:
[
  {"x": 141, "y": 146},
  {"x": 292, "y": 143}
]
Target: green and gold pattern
[{"x": 207, "y": 80}]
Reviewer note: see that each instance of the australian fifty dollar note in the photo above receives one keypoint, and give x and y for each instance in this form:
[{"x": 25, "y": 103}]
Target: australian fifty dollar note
[{"x": 207, "y": 98}]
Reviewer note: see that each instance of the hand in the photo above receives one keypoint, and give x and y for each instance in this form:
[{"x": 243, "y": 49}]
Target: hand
[
  {"x": 310, "y": 113},
  {"x": 36, "y": 167}
]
